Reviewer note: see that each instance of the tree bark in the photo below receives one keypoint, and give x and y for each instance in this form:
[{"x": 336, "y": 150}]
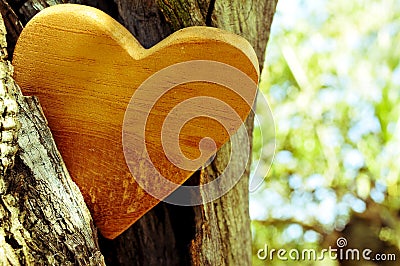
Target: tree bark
[{"x": 216, "y": 233}]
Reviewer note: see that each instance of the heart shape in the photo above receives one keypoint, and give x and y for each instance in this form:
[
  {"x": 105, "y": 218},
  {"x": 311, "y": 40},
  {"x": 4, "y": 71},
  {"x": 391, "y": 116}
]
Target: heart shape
[{"x": 128, "y": 119}]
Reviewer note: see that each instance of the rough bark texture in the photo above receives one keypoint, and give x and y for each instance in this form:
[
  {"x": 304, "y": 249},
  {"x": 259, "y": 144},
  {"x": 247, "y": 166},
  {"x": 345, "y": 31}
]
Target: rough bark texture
[
  {"x": 13, "y": 26},
  {"x": 216, "y": 233}
]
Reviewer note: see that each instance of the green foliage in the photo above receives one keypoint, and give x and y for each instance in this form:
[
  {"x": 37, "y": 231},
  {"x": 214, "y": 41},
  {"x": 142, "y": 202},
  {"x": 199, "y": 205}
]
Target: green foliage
[{"x": 332, "y": 77}]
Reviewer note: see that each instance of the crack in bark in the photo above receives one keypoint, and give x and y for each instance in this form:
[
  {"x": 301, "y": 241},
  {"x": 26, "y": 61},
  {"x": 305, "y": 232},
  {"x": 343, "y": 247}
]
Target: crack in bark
[
  {"x": 16, "y": 5},
  {"x": 210, "y": 12}
]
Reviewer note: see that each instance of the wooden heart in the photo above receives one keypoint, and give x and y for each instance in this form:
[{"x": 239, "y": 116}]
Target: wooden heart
[{"x": 85, "y": 68}]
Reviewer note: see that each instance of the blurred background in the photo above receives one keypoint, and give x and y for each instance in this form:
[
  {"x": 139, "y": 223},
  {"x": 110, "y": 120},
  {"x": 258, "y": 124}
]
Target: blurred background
[{"x": 332, "y": 79}]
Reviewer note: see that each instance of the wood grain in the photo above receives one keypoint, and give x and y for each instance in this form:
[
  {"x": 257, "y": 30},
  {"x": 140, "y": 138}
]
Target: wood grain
[{"x": 88, "y": 69}]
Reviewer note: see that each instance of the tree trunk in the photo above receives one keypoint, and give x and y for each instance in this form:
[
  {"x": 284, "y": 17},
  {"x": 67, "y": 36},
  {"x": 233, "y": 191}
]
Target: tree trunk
[{"x": 42, "y": 213}]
